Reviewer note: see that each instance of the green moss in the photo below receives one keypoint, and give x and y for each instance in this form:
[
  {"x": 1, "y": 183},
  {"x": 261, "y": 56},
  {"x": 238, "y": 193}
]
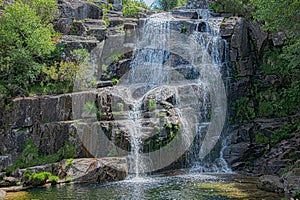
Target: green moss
[
  {"x": 37, "y": 179},
  {"x": 151, "y": 105}
]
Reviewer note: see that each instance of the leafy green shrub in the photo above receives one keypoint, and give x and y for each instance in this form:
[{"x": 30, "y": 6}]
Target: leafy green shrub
[
  {"x": 168, "y": 4},
  {"x": 131, "y": 8},
  {"x": 26, "y": 43}
]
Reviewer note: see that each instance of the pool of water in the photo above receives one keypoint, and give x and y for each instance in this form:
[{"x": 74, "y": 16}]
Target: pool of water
[{"x": 180, "y": 186}]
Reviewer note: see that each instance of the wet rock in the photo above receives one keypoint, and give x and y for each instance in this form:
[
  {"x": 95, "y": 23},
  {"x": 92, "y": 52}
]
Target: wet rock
[
  {"x": 270, "y": 183},
  {"x": 93, "y": 170}
]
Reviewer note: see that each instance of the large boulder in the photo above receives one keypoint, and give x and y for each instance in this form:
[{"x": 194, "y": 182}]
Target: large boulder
[
  {"x": 270, "y": 183},
  {"x": 93, "y": 170}
]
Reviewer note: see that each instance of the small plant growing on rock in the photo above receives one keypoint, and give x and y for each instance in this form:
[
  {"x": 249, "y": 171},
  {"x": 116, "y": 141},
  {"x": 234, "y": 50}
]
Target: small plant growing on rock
[
  {"x": 119, "y": 107},
  {"x": 69, "y": 162},
  {"x": 68, "y": 180},
  {"x": 53, "y": 179},
  {"x": 115, "y": 81},
  {"x": 151, "y": 105}
]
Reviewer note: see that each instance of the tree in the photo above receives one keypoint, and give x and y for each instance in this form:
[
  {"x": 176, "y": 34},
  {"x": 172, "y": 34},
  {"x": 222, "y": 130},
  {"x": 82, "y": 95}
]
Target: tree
[
  {"x": 168, "y": 4},
  {"x": 25, "y": 39},
  {"x": 278, "y": 15}
]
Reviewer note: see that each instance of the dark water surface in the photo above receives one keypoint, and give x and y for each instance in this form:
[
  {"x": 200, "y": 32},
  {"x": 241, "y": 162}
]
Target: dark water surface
[{"x": 187, "y": 187}]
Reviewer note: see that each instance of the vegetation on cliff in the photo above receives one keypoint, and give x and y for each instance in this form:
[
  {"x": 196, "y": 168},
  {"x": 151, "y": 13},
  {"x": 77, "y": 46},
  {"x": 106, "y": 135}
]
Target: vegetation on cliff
[
  {"x": 30, "y": 55},
  {"x": 281, "y": 61}
]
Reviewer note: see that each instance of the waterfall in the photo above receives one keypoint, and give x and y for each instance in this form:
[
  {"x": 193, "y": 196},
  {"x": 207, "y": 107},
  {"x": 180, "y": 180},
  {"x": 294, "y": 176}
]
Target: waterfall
[{"x": 174, "y": 93}]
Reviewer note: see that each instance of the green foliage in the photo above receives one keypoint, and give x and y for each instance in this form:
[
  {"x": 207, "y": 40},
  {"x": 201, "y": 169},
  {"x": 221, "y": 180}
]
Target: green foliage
[
  {"x": 285, "y": 99},
  {"x": 25, "y": 40},
  {"x": 67, "y": 151},
  {"x": 53, "y": 179},
  {"x": 68, "y": 180},
  {"x": 30, "y": 152},
  {"x": 133, "y": 7},
  {"x": 31, "y": 157},
  {"x": 151, "y": 105},
  {"x": 105, "y": 8},
  {"x": 168, "y": 5},
  {"x": 37, "y": 179},
  {"x": 157, "y": 141},
  {"x": 69, "y": 162},
  {"x": 296, "y": 194},
  {"x": 261, "y": 138},
  {"x": 115, "y": 81},
  {"x": 236, "y": 7},
  {"x": 244, "y": 112},
  {"x": 274, "y": 19}
]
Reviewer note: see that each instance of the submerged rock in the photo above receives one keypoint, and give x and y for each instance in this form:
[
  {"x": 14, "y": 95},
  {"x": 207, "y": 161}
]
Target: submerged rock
[{"x": 93, "y": 170}]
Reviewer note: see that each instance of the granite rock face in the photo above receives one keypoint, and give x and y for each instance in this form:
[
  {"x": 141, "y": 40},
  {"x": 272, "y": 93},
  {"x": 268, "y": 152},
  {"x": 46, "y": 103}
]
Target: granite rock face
[
  {"x": 49, "y": 121},
  {"x": 75, "y": 10}
]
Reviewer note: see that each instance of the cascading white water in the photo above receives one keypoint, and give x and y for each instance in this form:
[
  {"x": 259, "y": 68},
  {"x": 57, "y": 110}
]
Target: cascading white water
[
  {"x": 154, "y": 75},
  {"x": 211, "y": 42}
]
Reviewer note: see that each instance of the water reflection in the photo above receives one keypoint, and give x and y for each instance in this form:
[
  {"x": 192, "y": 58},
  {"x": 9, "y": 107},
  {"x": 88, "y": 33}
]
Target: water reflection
[{"x": 182, "y": 186}]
